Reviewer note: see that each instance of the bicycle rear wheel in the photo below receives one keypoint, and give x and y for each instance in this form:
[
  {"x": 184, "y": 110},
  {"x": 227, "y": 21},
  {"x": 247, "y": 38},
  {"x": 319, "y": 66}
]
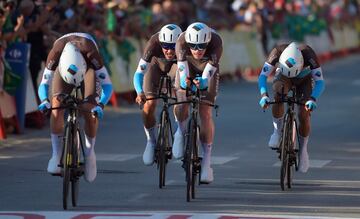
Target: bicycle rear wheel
[
  {"x": 284, "y": 155},
  {"x": 75, "y": 169},
  {"x": 67, "y": 155}
]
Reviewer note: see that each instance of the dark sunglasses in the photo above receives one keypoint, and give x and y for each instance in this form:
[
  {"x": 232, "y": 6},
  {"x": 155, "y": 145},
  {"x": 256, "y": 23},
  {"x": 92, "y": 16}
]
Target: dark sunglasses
[
  {"x": 168, "y": 46},
  {"x": 200, "y": 46}
]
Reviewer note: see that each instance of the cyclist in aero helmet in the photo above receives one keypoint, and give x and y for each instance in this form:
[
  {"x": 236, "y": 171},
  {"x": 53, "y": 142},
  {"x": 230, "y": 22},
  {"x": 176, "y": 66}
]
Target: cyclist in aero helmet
[
  {"x": 198, "y": 50},
  {"x": 297, "y": 66},
  {"x": 74, "y": 61},
  {"x": 158, "y": 59}
]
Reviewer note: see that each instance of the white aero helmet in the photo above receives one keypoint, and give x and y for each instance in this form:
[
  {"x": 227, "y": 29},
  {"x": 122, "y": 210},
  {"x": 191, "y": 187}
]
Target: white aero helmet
[
  {"x": 198, "y": 33},
  {"x": 291, "y": 61},
  {"x": 169, "y": 33},
  {"x": 72, "y": 65}
]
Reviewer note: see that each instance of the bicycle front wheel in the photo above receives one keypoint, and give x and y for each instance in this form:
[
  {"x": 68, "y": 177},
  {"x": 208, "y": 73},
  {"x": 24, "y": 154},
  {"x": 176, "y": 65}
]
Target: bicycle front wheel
[
  {"x": 284, "y": 153},
  {"x": 189, "y": 159},
  {"x": 75, "y": 170},
  {"x": 162, "y": 144},
  {"x": 67, "y": 159}
]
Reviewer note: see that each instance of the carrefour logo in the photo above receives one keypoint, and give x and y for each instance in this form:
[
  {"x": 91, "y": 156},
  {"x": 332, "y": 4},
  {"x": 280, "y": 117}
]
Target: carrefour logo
[{"x": 15, "y": 53}]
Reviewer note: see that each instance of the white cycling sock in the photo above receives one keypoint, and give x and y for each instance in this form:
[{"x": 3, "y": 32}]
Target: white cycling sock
[
  {"x": 150, "y": 134},
  {"x": 206, "y": 154},
  {"x": 56, "y": 140},
  {"x": 89, "y": 145},
  {"x": 181, "y": 127},
  {"x": 303, "y": 143},
  {"x": 278, "y": 124}
]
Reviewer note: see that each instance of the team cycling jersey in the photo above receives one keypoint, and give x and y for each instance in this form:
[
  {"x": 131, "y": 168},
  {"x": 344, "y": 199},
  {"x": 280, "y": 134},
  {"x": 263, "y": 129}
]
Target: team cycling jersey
[
  {"x": 88, "y": 48},
  {"x": 311, "y": 67},
  {"x": 211, "y": 57},
  {"x": 154, "y": 55}
]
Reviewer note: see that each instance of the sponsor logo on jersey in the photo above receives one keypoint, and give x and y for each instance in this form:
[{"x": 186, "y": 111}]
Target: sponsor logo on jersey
[
  {"x": 102, "y": 76},
  {"x": 181, "y": 68},
  {"x": 318, "y": 74},
  {"x": 142, "y": 67},
  {"x": 266, "y": 68}
]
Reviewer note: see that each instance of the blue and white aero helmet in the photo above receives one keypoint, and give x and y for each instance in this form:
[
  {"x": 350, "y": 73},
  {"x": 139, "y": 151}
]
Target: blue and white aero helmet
[
  {"x": 198, "y": 33},
  {"x": 169, "y": 33},
  {"x": 72, "y": 65},
  {"x": 291, "y": 61}
]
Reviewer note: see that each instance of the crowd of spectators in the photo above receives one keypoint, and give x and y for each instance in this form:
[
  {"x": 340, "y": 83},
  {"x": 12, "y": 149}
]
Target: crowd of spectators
[{"x": 40, "y": 22}]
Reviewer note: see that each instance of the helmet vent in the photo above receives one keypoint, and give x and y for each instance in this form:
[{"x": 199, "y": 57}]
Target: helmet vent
[
  {"x": 164, "y": 36},
  {"x": 205, "y": 38},
  {"x": 197, "y": 37},
  {"x": 171, "y": 38},
  {"x": 289, "y": 73},
  {"x": 74, "y": 81}
]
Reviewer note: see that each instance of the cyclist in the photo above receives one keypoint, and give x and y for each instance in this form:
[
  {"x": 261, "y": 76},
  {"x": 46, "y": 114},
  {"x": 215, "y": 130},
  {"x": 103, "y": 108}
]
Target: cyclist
[
  {"x": 198, "y": 50},
  {"x": 297, "y": 66},
  {"x": 74, "y": 61},
  {"x": 158, "y": 59}
]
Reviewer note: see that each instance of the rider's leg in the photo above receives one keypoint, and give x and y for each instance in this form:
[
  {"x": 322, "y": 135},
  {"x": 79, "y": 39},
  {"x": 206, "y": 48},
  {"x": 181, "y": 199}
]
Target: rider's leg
[
  {"x": 207, "y": 129},
  {"x": 149, "y": 120},
  {"x": 281, "y": 87},
  {"x": 57, "y": 128},
  {"x": 304, "y": 90},
  {"x": 91, "y": 94},
  {"x": 304, "y": 132},
  {"x": 151, "y": 88},
  {"x": 57, "y": 121},
  {"x": 181, "y": 113}
]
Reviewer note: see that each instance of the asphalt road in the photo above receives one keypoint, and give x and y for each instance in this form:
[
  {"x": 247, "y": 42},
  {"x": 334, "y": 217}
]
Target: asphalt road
[{"x": 246, "y": 171}]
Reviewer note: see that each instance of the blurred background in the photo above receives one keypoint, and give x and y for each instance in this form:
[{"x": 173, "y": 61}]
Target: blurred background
[{"x": 250, "y": 29}]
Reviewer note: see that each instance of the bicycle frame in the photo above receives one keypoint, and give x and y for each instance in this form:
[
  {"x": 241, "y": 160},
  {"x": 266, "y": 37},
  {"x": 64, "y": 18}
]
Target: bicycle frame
[{"x": 287, "y": 151}]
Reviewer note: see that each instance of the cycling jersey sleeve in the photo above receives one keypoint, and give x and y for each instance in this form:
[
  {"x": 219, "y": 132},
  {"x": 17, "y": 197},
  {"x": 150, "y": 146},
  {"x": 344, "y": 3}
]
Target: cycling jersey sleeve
[
  {"x": 265, "y": 72},
  {"x": 43, "y": 90},
  {"x": 139, "y": 76},
  {"x": 319, "y": 83},
  {"x": 183, "y": 69},
  {"x": 106, "y": 85}
]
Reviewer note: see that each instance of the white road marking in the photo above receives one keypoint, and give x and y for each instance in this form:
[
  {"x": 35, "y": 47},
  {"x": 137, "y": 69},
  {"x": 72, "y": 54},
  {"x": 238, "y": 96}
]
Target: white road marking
[
  {"x": 116, "y": 157},
  {"x": 313, "y": 163},
  {"x": 356, "y": 82},
  {"x": 217, "y": 160}
]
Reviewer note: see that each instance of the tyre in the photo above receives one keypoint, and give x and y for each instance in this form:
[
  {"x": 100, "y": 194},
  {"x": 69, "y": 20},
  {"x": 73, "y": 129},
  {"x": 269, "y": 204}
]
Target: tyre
[
  {"x": 75, "y": 170},
  {"x": 67, "y": 157},
  {"x": 284, "y": 154},
  {"x": 189, "y": 161}
]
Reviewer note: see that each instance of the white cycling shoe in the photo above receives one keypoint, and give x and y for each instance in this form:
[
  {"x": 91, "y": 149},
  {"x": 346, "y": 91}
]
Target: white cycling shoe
[
  {"x": 148, "y": 155},
  {"x": 90, "y": 167},
  {"x": 207, "y": 175},
  {"x": 178, "y": 145},
  {"x": 53, "y": 167},
  {"x": 304, "y": 162},
  {"x": 274, "y": 141}
]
